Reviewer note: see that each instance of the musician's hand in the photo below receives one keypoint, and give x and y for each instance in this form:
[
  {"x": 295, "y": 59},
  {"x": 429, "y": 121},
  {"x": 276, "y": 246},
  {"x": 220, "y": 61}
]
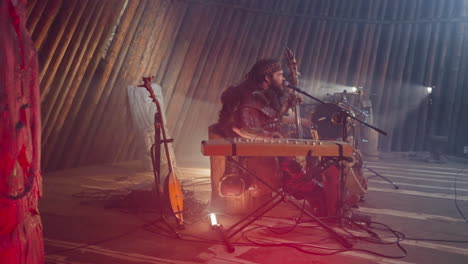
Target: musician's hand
[{"x": 276, "y": 134}]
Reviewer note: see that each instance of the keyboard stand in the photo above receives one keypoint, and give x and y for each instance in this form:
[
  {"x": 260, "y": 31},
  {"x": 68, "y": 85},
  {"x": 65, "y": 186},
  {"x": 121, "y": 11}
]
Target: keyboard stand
[{"x": 280, "y": 196}]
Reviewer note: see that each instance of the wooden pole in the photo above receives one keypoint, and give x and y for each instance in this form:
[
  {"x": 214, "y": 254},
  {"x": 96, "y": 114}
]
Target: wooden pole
[
  {"x": 413, "y": 98},
  {"x": 428, "y": 79},
  {"x": 73, "y": 109},
  {"x": 322, "y": 49},
  {"x": 103, "y": 74},
  {"x": 108, "y": 84},
  {"x": 43, "y": 25},
  {"x": 384, "y": 70},
  {"x": 48, "y": 75},
  {"x": 74, "y": 79},
  {"x": 372, "y": 45},
  {"x": 29, "y": 7},
  {"x": 117, "y": 113},
  {"x": 172, "y": 30},
  {"x": 397, "y": 109},
  {"x": 459, "y": 128},
  {"x": 57, "y": 31},
  {"x": 125, "y": 148},
  {"x": 36, "y": 15},
  {"x": 439, "y": 93},
  {"x": 309, "y": 64},
  {"x": 63, "y": 81},
  {"x": 196, "y": 91},
  {"x": 343, "y": 45}
]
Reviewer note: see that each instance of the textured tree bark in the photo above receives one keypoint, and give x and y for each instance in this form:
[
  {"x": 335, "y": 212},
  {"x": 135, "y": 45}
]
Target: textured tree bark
[{"x": 20, "y": 133}]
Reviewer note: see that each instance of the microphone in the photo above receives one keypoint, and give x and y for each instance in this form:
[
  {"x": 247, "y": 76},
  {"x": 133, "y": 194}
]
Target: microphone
[
  {"x": 297, "y": 89},
  {"x": 289, "y": 85}
]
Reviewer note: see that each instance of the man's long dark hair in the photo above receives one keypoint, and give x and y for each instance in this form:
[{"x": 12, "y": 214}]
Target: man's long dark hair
[{"x": 232, "y": 96}]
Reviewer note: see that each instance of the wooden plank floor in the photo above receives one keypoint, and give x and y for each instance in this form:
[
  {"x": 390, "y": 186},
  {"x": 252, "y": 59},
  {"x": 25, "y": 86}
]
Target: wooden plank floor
[{"x": 80, "y": 229}]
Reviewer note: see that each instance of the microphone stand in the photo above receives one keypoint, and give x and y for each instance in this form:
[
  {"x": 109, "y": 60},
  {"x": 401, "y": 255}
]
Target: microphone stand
[
  {"x": 343, "y": 111},
  {"x": 376, "y": 174},
  {"x": 343, "y": 115}
]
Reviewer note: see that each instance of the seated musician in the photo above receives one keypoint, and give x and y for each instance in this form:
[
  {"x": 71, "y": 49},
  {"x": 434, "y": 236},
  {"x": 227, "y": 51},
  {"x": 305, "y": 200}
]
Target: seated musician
[{"x": 256, "y": 109}]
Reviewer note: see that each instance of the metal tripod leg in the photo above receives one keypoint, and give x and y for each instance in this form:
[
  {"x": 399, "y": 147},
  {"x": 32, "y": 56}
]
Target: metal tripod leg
[
  {"x": 345, "y": 243},
  {"x": 381, "y": 176}
]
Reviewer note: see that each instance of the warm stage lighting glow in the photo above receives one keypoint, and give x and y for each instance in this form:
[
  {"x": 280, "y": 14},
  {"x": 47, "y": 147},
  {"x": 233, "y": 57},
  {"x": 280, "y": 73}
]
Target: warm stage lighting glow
[{"x": 214, "y": 222}]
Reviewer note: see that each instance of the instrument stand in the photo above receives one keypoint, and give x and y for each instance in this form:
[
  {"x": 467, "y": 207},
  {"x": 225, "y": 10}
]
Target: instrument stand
[
  {"x": 174, "y": 190},
  {"x": 342, "y": 116},
  {"x": 381, "y": 176},
  {"x": 279, "y": 197},
  {"x": 156, "y": 160},
  {"x": 222, "y": 234}
]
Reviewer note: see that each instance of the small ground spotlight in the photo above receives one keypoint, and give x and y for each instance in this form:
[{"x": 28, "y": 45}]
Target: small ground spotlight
[{"x": 214, "y": 221}]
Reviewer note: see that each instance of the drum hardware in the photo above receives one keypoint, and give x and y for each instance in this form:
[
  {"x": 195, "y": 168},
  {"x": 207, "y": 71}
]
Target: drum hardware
[
  {"x": 356, "y": 109},
  {"x": 341, "y": 116},
  {"x": 328, "y": 121},
  {"x": 360, "y": 104},
  {"x": 336, "y": 120}
]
